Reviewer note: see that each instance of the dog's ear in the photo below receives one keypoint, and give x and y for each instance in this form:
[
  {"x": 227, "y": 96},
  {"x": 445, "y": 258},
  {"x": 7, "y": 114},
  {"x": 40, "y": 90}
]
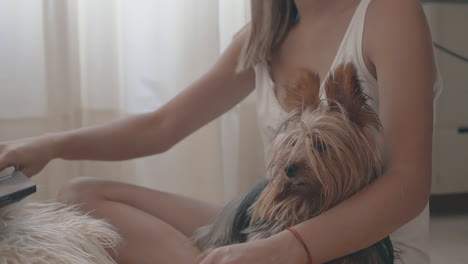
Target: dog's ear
[
  {"x": 343, "y": 87},
  {"x": 303, "y": 93}
]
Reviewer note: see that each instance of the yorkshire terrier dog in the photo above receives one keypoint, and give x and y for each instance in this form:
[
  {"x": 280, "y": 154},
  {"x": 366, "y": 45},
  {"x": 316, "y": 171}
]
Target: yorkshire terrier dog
[{"x": 325, "y": 151}]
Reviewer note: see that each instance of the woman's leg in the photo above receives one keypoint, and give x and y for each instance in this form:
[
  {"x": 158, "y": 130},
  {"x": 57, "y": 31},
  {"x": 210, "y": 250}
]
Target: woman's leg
[{"x": 155, "y": 225}]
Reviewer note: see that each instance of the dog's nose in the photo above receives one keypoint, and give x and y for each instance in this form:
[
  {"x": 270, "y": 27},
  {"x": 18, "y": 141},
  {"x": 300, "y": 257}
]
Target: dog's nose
[{"x": 291, "y": 170}]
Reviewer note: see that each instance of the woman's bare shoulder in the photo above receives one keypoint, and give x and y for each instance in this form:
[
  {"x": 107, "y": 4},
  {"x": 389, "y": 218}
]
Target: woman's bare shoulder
[
  {"x": 397, "y": 18},
  {"x": 397, "y": 27},
  {"x": 395, "y": 7}
]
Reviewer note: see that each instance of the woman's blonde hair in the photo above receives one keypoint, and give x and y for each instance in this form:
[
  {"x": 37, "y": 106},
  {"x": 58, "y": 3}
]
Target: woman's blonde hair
[{"x": 271, "y": 20}]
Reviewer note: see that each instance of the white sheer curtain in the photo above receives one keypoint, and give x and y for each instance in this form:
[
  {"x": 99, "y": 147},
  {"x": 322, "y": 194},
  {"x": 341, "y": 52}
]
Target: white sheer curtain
[{"x": 68, "y": 64}]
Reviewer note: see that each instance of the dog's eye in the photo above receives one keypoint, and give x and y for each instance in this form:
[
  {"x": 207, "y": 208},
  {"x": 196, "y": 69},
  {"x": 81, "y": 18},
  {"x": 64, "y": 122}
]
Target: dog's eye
[
  {"x": 291, "y": 170},
  {"x": 320, "y": 146}
]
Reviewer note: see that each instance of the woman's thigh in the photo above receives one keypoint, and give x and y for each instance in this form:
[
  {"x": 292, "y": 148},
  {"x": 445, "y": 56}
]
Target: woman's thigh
[{"x": 155, "y": 225}]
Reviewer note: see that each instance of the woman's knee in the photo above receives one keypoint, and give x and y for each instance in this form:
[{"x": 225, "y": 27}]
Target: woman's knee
[{"x": 81, "y": 190}]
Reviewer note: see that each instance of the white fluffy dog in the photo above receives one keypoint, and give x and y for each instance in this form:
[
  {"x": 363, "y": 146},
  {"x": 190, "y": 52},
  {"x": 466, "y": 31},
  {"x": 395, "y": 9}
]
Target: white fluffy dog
[{"x": 53, "y": 233}]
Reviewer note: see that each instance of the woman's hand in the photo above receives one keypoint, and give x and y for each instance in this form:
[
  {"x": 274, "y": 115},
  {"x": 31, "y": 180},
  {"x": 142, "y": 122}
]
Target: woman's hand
[
  {"x": 30, "y": 155},
  {"x": 282, "y": 248}
]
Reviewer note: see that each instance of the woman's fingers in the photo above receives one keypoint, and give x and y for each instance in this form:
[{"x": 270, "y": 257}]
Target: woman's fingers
[
  {"x": 4, "y": 162},
  {"x": 29, "y": 155},
  {"x": 214, "y": 257}
]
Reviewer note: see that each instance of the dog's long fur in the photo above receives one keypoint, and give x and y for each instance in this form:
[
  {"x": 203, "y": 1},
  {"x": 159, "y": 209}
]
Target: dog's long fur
[
  {"x": 53, "y": 233},
  {"x": 325, "y": 152}
]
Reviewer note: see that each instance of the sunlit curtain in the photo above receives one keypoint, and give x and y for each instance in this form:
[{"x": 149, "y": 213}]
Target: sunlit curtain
[{"x": 69, "y": 64}]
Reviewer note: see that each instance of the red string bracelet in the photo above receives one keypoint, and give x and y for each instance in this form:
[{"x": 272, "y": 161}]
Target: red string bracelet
[{"x": 298, "y": 237}]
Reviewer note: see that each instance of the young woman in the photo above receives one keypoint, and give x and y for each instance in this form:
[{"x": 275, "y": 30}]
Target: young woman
[{"x": 390, "y": 44}]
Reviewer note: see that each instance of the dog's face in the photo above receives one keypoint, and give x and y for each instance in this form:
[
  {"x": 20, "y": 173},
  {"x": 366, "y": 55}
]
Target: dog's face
[{"x": 325, "y": 152}]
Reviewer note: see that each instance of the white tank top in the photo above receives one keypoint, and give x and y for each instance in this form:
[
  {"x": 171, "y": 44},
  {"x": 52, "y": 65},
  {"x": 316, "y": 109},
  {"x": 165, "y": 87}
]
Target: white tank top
[{"x": 412, "y": 240}]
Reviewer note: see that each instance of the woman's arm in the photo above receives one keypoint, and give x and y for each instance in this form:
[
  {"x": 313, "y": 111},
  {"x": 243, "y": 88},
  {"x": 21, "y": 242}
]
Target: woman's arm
[
  {"x": 220, "y": 89},
  {"x": 400, "y": 47}
]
